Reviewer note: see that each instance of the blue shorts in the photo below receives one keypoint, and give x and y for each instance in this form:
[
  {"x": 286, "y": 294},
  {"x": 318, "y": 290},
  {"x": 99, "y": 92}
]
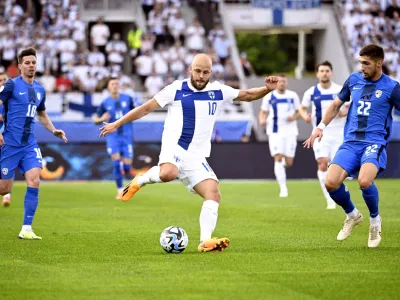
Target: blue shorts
[
  {"x": 25, "y": 158},
  {"x": 121, "y": 145},
  {"x": 352, "y": 155}
]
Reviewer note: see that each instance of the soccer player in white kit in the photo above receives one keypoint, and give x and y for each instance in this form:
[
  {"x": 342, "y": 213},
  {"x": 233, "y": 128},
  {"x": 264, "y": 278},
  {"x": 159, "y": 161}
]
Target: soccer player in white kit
[
  {"x": 193, "y": 105},
  {"x": 282, "y": 106},
  {"x": 321, "y": 96}
]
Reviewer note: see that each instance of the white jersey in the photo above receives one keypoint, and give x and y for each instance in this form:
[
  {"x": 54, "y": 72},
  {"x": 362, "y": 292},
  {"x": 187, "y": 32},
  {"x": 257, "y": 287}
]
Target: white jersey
[
  {"x": 280, "y": 108},
  {"x": 321, "y": 99},
  {"x": 192, "y": 114}
]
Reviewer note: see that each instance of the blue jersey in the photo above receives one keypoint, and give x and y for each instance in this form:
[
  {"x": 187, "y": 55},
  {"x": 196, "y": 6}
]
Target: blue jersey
[
  {"x": 117, "y": 108},
  {"x": 21, "y": 100},
  {"x": 370, "y": 114},
  {"x": 1, "y": 114}
]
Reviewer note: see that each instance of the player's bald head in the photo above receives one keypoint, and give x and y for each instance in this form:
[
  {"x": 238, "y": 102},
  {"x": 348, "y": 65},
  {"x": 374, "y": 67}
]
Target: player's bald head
[
  {"x": 202, "y": 60},
  {"x": 200, "y": 71}
]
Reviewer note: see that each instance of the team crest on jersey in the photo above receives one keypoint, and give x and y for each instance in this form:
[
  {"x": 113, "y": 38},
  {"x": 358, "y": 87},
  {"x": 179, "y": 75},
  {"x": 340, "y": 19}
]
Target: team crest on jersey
[
  {"x": 378, "y": 93},
  {"x": 5, "y": 171},
  {"x": 211, "y": 95},
  {"x": 123, "y": 104},
  {"x": 38, "y": 96}
]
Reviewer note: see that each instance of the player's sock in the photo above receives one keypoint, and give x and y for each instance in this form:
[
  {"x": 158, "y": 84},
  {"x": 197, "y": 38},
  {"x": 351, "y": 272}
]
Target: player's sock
[
  {"x": 151, "y": 176},
  {"x": 280, "y": 174},
  {"x": 375, "y": 221},
  {"x": 321, "y": 177},
  {"x": 342, "y": 197},
  {"x": 127, "y": 169},
  {"x": 117, "y": 173},
  {"x": 30, "y": 204},
  {"x": 208, "y": 219},
  {"x": 371, "y": 198}
]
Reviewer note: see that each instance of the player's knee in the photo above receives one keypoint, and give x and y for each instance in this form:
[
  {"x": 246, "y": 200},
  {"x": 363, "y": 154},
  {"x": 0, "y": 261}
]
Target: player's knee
[
  {"x": 278, "y": 157},
  {"x": 33, "y": 182},
  {"x": 5, "y": 190},
  {"x": 289, "y": 163},
  {"x": 331, "y": 185},
  {"x": 364, "y": 182},
  {"x": 214, "y": 194},
  {"x": 167, "y": 176},
  {"x": 322, "y": 165}
]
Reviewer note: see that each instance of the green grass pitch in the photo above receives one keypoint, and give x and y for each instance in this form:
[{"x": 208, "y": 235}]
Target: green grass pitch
[{"x": 95, "y": 247}]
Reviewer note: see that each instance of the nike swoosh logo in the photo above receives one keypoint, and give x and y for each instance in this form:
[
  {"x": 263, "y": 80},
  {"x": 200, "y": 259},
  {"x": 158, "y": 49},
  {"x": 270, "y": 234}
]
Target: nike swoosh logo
[
  {"x": 354, "y": 88},
  {"x": 185, "y": 95},
  {"x": 22, "y": 93},
  {"x": 40, "y": 160}
]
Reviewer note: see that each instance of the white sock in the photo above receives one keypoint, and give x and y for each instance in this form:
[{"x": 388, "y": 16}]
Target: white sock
[
  {"x": 120, "y": 190},
  {"x": 280, "y": 174},
  {"x": 321, "y": 177},
  {"x": 353, "y": 214},
  {"x": 7, "y": 195},
  {"x": 26, "y": 228},
  {"x": 151, "y": 176},
  {"x": 208, "y": 219},
  {"x": 375, "y": 221}
]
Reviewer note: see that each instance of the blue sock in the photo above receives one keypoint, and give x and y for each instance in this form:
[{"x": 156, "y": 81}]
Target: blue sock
[
  {"x": 117, "y": 173},
  {"x": 342, "y": 197},
  {"x": 371, "y": 197},
  {"x": 127, "y": 169},
  {"x": 30, "y": 204}
]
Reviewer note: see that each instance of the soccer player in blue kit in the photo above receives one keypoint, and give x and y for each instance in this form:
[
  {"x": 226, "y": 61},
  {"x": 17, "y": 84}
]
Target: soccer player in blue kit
[
  {"x": 366, "y": 134},
  {"x": 119, "y": 144},
  {"x": 23, "y": 99}
]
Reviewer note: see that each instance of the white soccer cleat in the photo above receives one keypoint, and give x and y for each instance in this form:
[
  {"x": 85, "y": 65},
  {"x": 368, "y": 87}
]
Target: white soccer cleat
[
  {"x": 331, "y": 205},
  {"x": 284, "y": 194},
  {"x": 375, "y": 235},
  {"x": 348, "y": 226}
]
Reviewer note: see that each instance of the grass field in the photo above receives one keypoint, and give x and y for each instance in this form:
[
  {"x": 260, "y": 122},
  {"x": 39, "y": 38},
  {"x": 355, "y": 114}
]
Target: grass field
[{"x": 95, "y": 247}]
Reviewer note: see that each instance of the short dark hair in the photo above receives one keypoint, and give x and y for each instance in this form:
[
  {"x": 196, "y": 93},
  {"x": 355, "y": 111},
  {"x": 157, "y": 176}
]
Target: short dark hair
[
  {"x": 374, "y": 51},
  {"x": 26, "y": 52},
  {"x": 324, "y": 63},
  {"x": 112, "y": 78}
]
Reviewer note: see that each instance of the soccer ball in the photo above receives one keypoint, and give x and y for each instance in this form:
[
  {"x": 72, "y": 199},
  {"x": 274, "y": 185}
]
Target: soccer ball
[{"x": 174, "y": 239}]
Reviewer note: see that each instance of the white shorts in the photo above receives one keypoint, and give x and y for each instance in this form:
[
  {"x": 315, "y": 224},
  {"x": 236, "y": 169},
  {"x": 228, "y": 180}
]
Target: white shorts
[
  {"x": 327, "y": 147},
  {"x": 190, "y": 171},
  {"x": 281, "y": 144}
]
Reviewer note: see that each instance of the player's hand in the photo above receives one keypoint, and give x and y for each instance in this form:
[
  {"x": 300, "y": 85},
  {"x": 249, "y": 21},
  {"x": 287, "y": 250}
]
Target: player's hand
[
  {"x": 60, "y": 134},
  {"x": 308, "y": 120},
  {"x": 317, "y": 134},
  {"x": 105, "y": 116},
  {"x": 270, "y": 82},
  {"x": 107, "y": 128},
  {"x": 1, "y": 140}
]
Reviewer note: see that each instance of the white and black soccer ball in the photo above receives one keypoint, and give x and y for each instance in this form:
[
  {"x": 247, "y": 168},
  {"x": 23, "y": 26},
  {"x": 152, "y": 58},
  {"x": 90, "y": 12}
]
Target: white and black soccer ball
[{"x": 174, "y": 239}]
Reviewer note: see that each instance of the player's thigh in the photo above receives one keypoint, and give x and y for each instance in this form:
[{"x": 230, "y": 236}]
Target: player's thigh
[
  {"x": 200, "y": 178},
  {"x": 276, "y": 144},
  {"x": 31, "y": 165},
  {"x": 113, "y": 149},
  {"x": 290, "y": 146},
  {"x": 348, "y": 157},
  {"x": 335, "y": 177},
  {"x": 9, "y": 161},
  {"x": 126, "y": 150},
  {"x": 373, "y": 161},
  {"x": 321, "y": 149}
]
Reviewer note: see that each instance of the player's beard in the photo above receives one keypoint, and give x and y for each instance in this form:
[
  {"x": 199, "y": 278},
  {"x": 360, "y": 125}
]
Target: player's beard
[
  {"x": 325, "y": 80},
  {"x": 195, "y": 84}
]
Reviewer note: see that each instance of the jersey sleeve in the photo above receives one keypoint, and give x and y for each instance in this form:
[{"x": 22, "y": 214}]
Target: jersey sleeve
[
  {"x": 131, "y": 103},
  {"x": 6, "y": 91},
  {"x": 42, "y": 105},
  {"x": 306, "y": 102},
  {"x": 101, "y": 109},
  {"x": 265, "y": 102},
  {"x": 229, "y": 93},
  {"x": 345, "y": 93},
  {"x": 395, "y": 97},
  {"x": 166, "y": 95}
]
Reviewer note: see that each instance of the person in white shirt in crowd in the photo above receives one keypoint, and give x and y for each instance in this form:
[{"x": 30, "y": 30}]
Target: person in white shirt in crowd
[
  {"x": 281, "y": 106},
  {"x": 89, "y": 84},
  {"x": 147, "y": 43},
  {"x": 177, "y": 51},
  {"x": 144, "y": 66},
  {"x": 81, "y": 71},
  {"x": 9, "y": 52},
  {"x": 67, "y": 48},
  {"x": 195, "y": 36},
  {"x": 116, "y": 49},
  {"x": 99, "y": 35},
  {"x": 222, "y": 47},
  {"x": 153, "y": 84},
  {"x": 177, "y": 67},
  {"x": 79, "y": 31},
  {"x": 217, "y": 31},
  {"x": 48, "y": 81},
  {"x": 95, "y": 57},
  {"x": 160, "y": 65},
  {"x": 177, "y": 27}
]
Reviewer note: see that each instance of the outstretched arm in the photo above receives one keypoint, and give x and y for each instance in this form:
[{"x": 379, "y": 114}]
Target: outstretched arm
[
  {"x": 131, "y": 116},
  {"x": 258, "y": 93},
  {"x": 46, "y": 122}
]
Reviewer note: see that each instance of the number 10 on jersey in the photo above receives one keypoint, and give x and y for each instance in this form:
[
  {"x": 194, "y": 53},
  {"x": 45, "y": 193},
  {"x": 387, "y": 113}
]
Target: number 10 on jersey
[
  {"x": 31, "y": 111},
  {"x": 212, "y": 107}
]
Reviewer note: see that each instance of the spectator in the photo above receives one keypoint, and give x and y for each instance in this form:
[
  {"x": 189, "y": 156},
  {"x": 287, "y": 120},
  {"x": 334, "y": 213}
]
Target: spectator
[
  {"x": 153, "y": 84},
  {"x": 144, "y": 66},
  {"x": 63, "y": 84},
  {"x": 222, "y": 47},
  {"x": 48, "y": 81},
  {"x": 195, "y": 36},
  {"x": 99, "y": 35},
  {"x": 116, "y": 48}
]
